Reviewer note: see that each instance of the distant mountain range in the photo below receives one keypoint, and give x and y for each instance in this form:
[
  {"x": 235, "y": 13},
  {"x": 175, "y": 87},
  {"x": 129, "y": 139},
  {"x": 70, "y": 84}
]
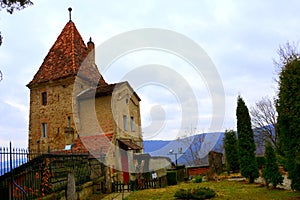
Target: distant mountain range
[{"x": 194, "y": 146}]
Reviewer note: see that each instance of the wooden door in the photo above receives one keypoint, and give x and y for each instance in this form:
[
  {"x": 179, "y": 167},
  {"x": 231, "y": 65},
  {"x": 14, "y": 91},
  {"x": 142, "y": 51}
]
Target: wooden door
[{"x": 124, "y": 161}]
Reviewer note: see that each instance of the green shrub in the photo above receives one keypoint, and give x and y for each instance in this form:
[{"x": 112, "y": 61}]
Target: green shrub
[
  {"x": 198, "y": 179},
  {"x": 133, "y": 185},
  {"x": 172, "y": 177},
  {"x": 183, "y": 194},
  {"x": 195, "y": 193}
]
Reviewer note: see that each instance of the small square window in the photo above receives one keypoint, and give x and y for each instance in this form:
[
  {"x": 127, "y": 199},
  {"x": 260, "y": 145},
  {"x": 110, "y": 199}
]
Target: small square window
[
  {"x": 44, "y": 130},
  {"x": 44, "y": 98}
]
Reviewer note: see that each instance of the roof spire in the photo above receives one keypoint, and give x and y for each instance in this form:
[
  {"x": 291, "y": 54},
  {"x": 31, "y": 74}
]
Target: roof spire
[
  {"x": 70, "y": 15},
  {"x": 91, "y": 51}
]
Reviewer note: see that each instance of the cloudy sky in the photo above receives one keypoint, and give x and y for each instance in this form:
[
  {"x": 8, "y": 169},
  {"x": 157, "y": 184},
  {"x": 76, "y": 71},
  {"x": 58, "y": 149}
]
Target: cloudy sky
[{"x": 241, "y": 39}]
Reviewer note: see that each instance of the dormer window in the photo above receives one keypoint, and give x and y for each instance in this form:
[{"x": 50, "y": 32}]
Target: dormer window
[{"x": 44, "y": 98}]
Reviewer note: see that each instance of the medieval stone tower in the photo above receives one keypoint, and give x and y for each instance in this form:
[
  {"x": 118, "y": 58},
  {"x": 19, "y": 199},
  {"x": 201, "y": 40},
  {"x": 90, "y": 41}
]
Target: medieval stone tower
[
  {"x": 71, "y": 104},
  {"x": 52, "y": 105}
]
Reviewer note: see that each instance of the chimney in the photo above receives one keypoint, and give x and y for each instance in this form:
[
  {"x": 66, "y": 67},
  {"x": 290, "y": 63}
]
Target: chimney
[{"x": 91, "y": 51}]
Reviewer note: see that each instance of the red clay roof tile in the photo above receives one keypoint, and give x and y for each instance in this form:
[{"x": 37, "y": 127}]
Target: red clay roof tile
[{"x": 66, "y": 57}]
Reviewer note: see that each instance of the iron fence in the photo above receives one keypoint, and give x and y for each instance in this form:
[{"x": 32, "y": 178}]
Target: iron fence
[
  {"x": 138, "y": 184},
  {"x": 27, "y": 175},
  {"x": 11, "y": 158}
]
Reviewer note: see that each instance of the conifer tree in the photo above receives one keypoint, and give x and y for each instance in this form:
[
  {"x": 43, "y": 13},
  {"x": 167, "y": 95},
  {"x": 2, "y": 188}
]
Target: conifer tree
[
  {"x": 271, "y": 171},
  {"x": 246, "y": 145},
  {"x": 288, "y": 107},
  {"x": 231, "y": 151}
]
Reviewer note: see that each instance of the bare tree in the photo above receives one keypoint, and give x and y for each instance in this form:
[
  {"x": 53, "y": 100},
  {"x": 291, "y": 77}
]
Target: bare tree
[
  {"x": 192, "y": 143},
  {"x": 264, "y": 119},
  {"x": 287, "y": 53},
  {"x": 12, "y": 5},
  {"x": 192, "y": 154},
  {"x": 1, "y": 39}
]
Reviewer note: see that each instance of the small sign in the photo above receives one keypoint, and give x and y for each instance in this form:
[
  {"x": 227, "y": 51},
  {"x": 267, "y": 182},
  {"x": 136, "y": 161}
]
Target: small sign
[
  {"x": 154, "y": 175},
  {"x": 68, "y": 147}
]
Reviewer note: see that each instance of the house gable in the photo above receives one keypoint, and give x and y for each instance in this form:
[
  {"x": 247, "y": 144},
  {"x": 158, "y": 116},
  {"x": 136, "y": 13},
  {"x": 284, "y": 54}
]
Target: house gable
[{"x": 101, "y": 110}]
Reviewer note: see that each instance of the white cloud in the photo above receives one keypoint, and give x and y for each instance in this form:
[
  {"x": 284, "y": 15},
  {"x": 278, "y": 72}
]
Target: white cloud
[
  {"x": 241, "y": 38},
  {"x": 24, "y": 110}
]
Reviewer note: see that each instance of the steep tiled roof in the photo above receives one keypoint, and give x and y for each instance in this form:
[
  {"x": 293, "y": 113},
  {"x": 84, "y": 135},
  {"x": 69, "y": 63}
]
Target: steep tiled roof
[
  {"x": 95, "y": 144},
  {"x": 65, "y": 58}
]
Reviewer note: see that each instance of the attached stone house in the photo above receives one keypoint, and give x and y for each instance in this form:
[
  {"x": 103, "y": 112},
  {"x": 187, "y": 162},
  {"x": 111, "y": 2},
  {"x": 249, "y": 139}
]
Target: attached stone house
[
  {"x": 113, "y": 111},
  {"x": 71, "y": 105}
]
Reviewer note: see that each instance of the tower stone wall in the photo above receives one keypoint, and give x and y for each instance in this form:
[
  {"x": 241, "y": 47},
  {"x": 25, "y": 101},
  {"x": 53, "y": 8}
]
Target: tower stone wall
[{"x": 57, "y": 113}]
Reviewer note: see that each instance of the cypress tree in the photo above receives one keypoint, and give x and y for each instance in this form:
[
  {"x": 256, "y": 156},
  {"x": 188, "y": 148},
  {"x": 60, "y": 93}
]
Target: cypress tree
[
  {"x": 246, "y": 145},
  {"x": 231, "y": 151},
  {"x": 271, "y": 171},
  {"x": 288, "y": 107}
]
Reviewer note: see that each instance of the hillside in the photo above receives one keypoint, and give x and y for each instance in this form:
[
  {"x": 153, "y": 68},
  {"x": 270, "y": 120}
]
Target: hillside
[{"x": 195, "y": 149}]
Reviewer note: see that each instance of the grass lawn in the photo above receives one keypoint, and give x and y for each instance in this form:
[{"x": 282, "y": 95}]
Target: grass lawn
[{"x": 224, "y": 189}]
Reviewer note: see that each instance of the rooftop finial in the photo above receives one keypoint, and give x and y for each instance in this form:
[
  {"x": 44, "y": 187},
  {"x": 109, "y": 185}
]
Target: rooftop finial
[{"x": 70, "y": 10}]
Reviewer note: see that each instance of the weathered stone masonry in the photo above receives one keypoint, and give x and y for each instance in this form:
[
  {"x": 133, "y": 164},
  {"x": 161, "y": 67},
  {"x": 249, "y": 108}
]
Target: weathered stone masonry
[{"x": 71, "y": 104}]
